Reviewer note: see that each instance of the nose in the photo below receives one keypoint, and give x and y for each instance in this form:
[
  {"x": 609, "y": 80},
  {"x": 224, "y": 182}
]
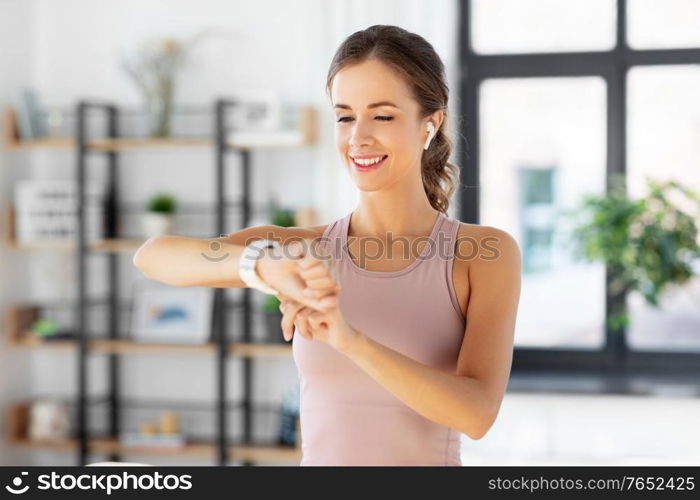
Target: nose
[{"x": 361, "y": 134}]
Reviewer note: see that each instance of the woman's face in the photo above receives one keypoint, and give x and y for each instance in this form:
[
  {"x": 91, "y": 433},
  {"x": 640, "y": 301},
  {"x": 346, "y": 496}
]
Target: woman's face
[{"x": 391, "y": 130}]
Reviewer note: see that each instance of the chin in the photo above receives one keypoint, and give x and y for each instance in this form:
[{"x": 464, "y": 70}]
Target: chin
[{"x": 369, "y": 186}]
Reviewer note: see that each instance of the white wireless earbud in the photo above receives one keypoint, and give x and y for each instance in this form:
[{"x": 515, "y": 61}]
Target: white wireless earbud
[{"x": 431, "y": 133}]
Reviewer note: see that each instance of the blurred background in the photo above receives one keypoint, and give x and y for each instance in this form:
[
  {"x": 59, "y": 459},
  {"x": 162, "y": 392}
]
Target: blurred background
[{"x": 577, "y": 130}]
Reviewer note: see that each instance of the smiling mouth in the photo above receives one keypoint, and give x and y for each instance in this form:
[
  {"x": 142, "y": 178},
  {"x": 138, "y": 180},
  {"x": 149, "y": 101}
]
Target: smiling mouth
[{"x": 373, "y": 166}]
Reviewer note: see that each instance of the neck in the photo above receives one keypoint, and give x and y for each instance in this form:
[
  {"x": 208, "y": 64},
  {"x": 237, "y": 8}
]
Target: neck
[{"x": 400, "y": 210}]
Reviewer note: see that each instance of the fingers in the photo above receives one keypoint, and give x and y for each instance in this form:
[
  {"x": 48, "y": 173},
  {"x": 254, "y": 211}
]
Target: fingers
[
  {"x": 319, "y": 294},
  {"x": 311, "y": 260},
  {"x": 323, "y": 284},
  {"x": 325, "y": 303},
  {"x": 319, "y": 281},
  {"x": 317, "y": 270},
  {"x": 313, "y": 271},
  {"x": 302, "y": 323},
  {"x": 289, "y": 309},
  {"x": 316, "y": 320},
  {"x": 294, "y": 287},
  {"x": 305, "y": 319}
]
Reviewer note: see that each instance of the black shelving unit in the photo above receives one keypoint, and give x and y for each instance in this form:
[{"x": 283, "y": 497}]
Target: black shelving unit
[
  {"x": 81, "y": 266},
  {"x": 221, "y": 305}
]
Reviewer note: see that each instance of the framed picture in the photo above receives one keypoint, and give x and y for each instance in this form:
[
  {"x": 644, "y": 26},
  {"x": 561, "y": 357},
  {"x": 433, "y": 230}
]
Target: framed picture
[
  {"x": 258, "y": 110},
  {"x": 165, "y": 314}
]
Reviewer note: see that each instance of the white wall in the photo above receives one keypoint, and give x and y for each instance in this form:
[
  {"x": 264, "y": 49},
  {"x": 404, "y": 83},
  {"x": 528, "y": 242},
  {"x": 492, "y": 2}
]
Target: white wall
[
  {"x": 16, "y": 29},
  {"x": 283, "y": 46},
  {"x": 70, "y": 50}
]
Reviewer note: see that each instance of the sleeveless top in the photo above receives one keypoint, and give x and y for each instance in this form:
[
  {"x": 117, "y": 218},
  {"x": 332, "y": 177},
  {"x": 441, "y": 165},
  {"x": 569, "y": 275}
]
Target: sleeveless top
[{"x": 346, "y": 416}]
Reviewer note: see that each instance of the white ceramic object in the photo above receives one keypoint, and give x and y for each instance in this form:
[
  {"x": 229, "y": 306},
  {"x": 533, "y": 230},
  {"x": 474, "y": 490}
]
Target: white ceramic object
[
  {"x": 156, "y": 224},
  {"x": 48, "y": 420}
]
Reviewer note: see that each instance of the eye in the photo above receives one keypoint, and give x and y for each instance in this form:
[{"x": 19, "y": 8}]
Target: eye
[{"x": 381, "y": 118}]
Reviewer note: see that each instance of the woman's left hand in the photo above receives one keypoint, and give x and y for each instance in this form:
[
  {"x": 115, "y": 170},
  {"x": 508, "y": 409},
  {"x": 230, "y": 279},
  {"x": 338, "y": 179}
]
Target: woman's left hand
[{"x": 327, "y": 326}]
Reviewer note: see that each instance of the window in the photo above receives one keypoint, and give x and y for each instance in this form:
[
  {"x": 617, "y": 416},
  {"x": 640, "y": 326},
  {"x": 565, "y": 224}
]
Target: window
[
  {"x": 511, "y": 26},
  {"x": 663, "y": 143},
  {"x": 532, "y": 128},
  {"x": 543, "y": 124},
  {"x": 658, "y": 25}
]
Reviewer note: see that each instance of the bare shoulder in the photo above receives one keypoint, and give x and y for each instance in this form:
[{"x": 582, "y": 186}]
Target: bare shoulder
[
  {"x": 484, "y": 255},
  {"x": 488, "y": 247}
]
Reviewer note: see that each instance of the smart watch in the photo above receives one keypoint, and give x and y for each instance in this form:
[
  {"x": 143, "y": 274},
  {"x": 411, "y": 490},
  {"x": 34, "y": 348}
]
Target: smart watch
[{"x": 247, "y": 265}]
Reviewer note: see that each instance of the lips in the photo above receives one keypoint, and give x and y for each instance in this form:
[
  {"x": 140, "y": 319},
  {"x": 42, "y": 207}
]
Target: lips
[{"x": 365, "y": 168}]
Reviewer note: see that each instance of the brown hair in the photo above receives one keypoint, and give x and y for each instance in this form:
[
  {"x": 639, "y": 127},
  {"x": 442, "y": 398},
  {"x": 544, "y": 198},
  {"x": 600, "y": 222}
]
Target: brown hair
[{"x": 416, "y": 60}]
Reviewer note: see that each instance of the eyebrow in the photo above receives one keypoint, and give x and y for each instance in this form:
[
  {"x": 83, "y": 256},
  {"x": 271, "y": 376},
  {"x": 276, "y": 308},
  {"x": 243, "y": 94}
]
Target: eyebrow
[{"x": 369, "y": 106}]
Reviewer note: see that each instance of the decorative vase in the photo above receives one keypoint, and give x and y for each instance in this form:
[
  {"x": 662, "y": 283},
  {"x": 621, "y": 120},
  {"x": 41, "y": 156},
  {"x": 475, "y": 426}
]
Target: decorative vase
[
  {"x": 159, "y": 108},
  {"x": 156, "y": 224}
]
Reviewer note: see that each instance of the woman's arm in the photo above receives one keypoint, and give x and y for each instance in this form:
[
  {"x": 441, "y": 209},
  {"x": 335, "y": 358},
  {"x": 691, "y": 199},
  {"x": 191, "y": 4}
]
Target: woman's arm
[
  {"x": 469, "y": 399},
  {"x": 182, "y": 261},
  {"x": 213, "y": 262}
]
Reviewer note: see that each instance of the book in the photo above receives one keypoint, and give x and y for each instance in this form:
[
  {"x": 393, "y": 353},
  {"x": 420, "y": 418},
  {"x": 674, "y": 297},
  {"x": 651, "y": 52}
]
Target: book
[{"x": 29, "y": 117}]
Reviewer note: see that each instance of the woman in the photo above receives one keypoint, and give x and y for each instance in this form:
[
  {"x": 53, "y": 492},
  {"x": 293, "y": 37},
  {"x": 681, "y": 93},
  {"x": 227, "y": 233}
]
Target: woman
[{"x": 391, "y": 371}]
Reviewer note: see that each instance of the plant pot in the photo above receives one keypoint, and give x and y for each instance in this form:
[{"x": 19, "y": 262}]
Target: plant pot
[
  {"x": 156, "y": 224},
  {"x": 273, "y": 328}
]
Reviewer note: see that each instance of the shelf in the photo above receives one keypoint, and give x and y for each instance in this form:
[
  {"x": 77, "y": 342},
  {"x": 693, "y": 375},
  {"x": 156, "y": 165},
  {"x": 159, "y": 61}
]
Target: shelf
[
  {"x": 17, "y": 419},
  {"x": 105, "y": 346},
  {"x": 115, "y": 245},
  {"x": 242, "y": 140},
  {"x": 123, "y": 144},
  {"x": 259, "y": 453},
  {"x": 19, "y": 317},
  {"x": 135, "y": 144},
  {"x": 100, "y": 246},
  {"x": 47, "y": 143}
]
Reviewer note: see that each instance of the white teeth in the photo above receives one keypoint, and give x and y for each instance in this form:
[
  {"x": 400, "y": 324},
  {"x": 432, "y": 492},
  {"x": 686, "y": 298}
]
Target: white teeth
[{"x": 368, "y": 161}]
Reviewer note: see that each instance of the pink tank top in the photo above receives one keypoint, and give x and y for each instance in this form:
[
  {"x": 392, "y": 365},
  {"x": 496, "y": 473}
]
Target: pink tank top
[{"x": 346, "y": 416}]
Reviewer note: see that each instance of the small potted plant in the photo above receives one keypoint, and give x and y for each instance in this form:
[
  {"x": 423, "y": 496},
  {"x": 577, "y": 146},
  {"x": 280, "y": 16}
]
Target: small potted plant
[
  {"x": 281, "y": 217},
  {"x": 158, "y": 218}
]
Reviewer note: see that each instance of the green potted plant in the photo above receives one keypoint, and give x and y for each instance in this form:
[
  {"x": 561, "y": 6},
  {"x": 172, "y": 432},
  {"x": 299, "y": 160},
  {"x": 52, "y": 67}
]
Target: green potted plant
[
  {"x": 160, "y": 211},
  {"x": 648, "y": 243},
  {"x": 270, "y": 304},
  {"x": 282, "y": 217}
]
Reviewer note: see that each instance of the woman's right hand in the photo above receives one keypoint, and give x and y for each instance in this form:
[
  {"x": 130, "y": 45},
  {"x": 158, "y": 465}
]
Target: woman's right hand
[{"x": 294, "y": 268}]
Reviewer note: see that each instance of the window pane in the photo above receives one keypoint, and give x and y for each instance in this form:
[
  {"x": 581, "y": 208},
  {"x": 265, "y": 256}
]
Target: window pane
[
  {"x": 542, "y": 145},
  {"x": 664, "y": 144},
  {"x": 652, "y": 24},
  {"x": 519, "y": 26}
]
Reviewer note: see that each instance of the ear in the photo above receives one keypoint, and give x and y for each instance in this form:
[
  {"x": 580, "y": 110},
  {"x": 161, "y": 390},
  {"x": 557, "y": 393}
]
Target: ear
[{"x": 437, "y": 118}]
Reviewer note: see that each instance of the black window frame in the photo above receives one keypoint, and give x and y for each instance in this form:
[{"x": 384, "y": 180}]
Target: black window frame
[{"x": 613, "y": 66}]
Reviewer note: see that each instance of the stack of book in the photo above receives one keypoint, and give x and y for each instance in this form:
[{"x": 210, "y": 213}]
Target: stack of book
[{"x": 46, "y": 211}]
